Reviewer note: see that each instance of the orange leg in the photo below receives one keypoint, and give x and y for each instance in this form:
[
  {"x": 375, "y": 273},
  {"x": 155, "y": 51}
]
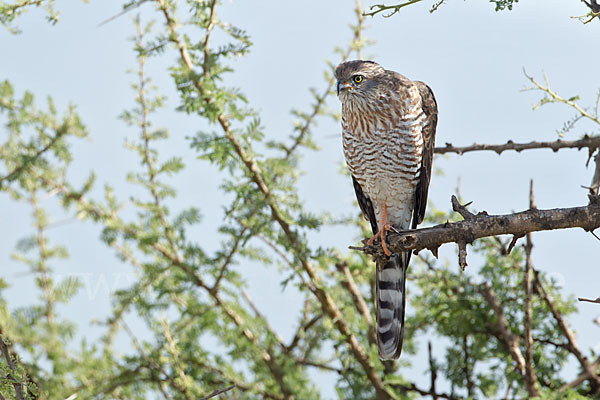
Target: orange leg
[{"x": 384, "y": 226}]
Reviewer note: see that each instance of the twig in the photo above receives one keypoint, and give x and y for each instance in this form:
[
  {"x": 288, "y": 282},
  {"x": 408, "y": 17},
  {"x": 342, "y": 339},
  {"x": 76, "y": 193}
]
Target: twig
[
  {"x": 11, "y": 364},
  {"x": 395, "y": 8},
  {"x": 581, "y": 377},
  {"x": 359, "y": 301},
  {"x": 593, "y": 5},
  {"x": 264, "y": 319},
  {"x": 462, "y": 254},
  {"x": 596, "y": 300},
  {"x": 512, "y": 243},
  {"x": 590, "y": 142},
  {"x": 218, "y": 392},
  {"x": 552, "y": 343},
  {"x": 594, "y": 11},
  {"x": 509, "y": 389},
  {"x": 461, "y": 208},
  {"x": 433, "y": 372},
  {"x": 309, "y": 363},
  {"x": 556, "y": 98},
  {"x": 595, "y": 185},
  {"x": 301, "y": 330},
  {"x": 572, "y": 342},
  {"x": 466, "y": 370},
  {"x": 152, "y": 364},
  {"x": 122, "y": 12},
  {"x": 229, "y": 257},
  {"x": 414, "y": 388},
  {"x": 28, "y": 160},
  {"x": 510, "y": 340}
]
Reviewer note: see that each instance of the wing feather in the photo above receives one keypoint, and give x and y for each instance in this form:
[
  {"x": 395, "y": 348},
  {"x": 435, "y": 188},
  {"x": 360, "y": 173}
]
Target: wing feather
[
  {"x": 431, "y": 112},
  {"x": 365, "y": 205}
]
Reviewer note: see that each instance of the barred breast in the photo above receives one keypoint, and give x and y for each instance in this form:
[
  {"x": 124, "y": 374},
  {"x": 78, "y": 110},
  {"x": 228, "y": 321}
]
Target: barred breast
[{"x": 383, "y": 147}]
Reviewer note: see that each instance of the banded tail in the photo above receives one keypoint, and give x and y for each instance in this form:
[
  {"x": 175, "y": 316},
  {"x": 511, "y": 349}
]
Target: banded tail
[{"x": 391, "y": 299}]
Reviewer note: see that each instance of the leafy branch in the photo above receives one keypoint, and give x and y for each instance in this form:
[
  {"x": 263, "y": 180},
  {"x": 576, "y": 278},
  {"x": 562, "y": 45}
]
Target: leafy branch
[
  {"x": 377, "y": 8},
  {"x": 553, "y": 97},
  {"x": 10, "y": 11},
  {"x": 393, "y": 9}
]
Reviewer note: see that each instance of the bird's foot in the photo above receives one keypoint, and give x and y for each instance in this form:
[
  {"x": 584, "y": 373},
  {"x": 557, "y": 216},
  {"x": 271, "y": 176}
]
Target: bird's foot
[
  {"x": 381, "y": 235},
  {"x": 385, "y": 226}
]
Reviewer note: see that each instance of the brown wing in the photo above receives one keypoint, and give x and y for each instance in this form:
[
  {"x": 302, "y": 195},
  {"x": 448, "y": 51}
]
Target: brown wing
[
  {"x": 431, "y": 112},
  {"x": 365, "y": 205}
]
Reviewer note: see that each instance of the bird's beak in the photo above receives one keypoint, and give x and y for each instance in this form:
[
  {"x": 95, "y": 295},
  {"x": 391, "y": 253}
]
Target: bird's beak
[{"x": 342, "y": 85}]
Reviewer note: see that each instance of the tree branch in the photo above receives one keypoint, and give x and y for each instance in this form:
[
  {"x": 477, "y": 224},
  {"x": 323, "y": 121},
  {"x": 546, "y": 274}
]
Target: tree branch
[
  {"x": 573, "y": 347},
  {"x": 510, "y": 340},
  {"x": 414, "y": 388},
  {"x": 11, "y": 364},
  {"x": 593, "y": 5},
  {"x": 432, "y": 371},
  {"x": 359, "y": 301},
  {"x": 596, "y": 300},
  {"x": 28, "y": 160},
  {"x": 218, "y": 392},
  {"x": 581, "y": 377},
  {"x": 484, "y": 225},
  {"x": 466, "y": 369},
  {"x": 595, "y": 185},
  {"x": 590, "y": 142},
  {"x": 393, "y": 9}
]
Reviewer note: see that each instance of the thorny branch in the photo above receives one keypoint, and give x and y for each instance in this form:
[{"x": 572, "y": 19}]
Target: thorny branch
[
  {"x": 484, "y": 225},
  {"x": 590, "y": 142}
]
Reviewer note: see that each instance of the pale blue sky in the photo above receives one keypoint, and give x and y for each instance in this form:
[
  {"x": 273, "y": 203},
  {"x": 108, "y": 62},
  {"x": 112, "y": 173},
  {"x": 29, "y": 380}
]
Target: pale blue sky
[{"x": 470, "y": 55}]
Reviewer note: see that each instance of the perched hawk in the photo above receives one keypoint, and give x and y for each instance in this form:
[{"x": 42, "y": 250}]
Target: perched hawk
[{"x": 388, "y": 124}]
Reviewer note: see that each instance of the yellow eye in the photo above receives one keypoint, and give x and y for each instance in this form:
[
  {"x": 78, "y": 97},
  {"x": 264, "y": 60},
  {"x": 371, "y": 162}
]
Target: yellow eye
[{"x": 357, "y": 78}]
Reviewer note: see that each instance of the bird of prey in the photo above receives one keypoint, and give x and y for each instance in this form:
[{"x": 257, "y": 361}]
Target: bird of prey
[{"x": 388, "y": 124}]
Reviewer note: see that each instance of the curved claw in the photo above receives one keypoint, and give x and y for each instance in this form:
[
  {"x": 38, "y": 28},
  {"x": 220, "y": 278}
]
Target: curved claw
[{"x": 385, "y": 226}]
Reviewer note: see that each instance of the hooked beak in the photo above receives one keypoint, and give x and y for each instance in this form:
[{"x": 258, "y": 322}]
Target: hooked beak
[{"x": 342, "y": 85}]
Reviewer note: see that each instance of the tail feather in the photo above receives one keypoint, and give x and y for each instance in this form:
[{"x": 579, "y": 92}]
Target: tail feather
[{"x": 391, "y": 299}]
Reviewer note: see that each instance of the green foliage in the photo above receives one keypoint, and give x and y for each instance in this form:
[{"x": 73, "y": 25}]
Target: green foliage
[
  {"x": 203, "y": 331},
  {"x": 9, "y": 11},
  {"x": 504, "y": 4}
]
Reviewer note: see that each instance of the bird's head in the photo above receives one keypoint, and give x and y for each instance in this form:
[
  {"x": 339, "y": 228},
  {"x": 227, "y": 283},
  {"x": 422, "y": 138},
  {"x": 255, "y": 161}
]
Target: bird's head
[{"x": 356, "y": 79}]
